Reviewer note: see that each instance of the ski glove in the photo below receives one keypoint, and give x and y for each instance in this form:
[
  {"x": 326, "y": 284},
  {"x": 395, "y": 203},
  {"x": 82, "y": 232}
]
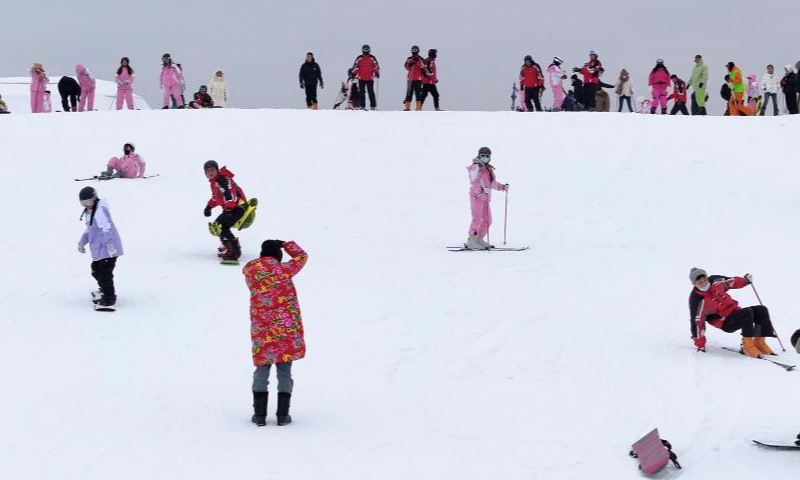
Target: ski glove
[
  {"x": 576, "y": 69},
  {"x": 112, "y": 249},
  {"x": 81, "y": 247},
  {"x": 700, "y": 343},
  {"x": 505, "y": 187},
  {"x": 701, "y": 85},
  {"x": 749, "y": 278},
  {"x": 207, "y": 211},
  {"x": 321, "y": 85}
]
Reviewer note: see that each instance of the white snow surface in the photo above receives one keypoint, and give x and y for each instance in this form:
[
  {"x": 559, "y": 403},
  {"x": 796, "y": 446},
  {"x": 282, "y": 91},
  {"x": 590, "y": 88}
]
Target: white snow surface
[
  {"x": 422, "y": 363},
  {"x": 16, "y": 92}
]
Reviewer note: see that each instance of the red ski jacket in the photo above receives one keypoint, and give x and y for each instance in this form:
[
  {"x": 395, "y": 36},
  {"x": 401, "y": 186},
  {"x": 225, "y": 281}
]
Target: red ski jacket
[
  {"x": 530, "y": 76},
  {"x": 679, "y": 91},
  {"x": 366, "y": 67},
  {"x": 713, "y": 305},
  {"x": 429, "y": 71},
  {"x": 591, "y": 71},
  {"x": 415, "y": 70},
  {"x": 225, "y": 192}
]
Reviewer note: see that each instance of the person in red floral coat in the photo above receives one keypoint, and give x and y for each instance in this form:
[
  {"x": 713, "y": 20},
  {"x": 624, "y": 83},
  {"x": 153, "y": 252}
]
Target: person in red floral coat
[{"x": 276, "y": 326}]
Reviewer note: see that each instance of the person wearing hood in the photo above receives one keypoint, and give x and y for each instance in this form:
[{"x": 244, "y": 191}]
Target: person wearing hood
[
  {"x": 659, "y": 82},
  {"x": 482, "y": 181},
  {"x": 129, "y": 165},
  {"x": 88, "y": 84},
  {"x": 769, "y": 87},
  {"x": 125, "y": 78},
  {"x": 70, "y": 91},
  {"x": 39, "y": 83},
  {"x": 624, "y": 89},
  {"x": 789, "y": 86},
  {"x": 736, "y": 105},
  {"x": 557, "y": 75},
  {"x": 710, "y": 303},
  {"x": 532, "y": 81},
  {"x": 218, "y": 88},
  {"x": 310, "y": 74},
  {"x": 699, "y": 81}
]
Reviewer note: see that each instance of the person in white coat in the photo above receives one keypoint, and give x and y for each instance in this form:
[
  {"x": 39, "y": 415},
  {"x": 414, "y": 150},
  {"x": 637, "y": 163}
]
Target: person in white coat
[
  {"x": 624, "y": 89},
  {"x": 770, "y": 85},
  {"x": 218, "y": 88}
]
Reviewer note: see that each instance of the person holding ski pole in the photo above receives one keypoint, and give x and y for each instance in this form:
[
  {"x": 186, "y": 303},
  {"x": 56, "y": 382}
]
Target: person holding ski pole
[
  {"x": 482, "y": 182},
  {"x": 104, "y": 242},
  {"x": 125, "y": 78},
  {"x": 710, "y": 303}
]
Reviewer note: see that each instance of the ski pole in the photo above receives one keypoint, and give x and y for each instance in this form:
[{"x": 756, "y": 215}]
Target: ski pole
[
  {"x": 505, "y": 220},
  {"x": 773, "y": 327}
]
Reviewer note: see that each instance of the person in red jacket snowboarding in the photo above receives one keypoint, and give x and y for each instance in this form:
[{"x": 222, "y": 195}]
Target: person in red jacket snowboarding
[
  {"x": 531, "y": 81},
  {"x": 430, "y": 79},
  {"x": 227, "y": 194},
  {"x": 414, "y": 65},
  {"x": 710, "y": 303},
  {"x": 591, "y": 71},
  {"x": 679, "y": 95},
  {"x": 366, "y": 69}
]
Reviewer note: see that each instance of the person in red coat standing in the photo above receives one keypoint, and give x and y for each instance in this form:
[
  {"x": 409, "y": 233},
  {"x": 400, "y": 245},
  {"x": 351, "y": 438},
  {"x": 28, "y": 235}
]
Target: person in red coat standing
[
  {"x": 276, "y": 325},
  {"x": 414, "y": 65},
  {"x": 430, "y": 79},
  {"x": 679, "y": 95},
  {"x": 532, "y": 81},
  {"x": 366, "y": 69},
  {"x": 710, "y": 303},
  {"x": 591, "y": 71}
]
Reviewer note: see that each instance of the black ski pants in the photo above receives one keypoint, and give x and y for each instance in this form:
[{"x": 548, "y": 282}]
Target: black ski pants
[
  {"x": 589, "y": 92},
  {"x": 679, "y": 107},
  {"x": 753, "y": 321},
  {"x": 791, "y": 102},
  {"x": 103, "y": 272},
  {"x": 227, "y": 220},
  {"x": 365, "y": 86},
  {"x": 532, "y": 97},
  {"x": 414, "y": 88},
  {"x": 433, "y": 91},
  {"x": 72, "y": 96},
  {"x": 311, "y": 94}
]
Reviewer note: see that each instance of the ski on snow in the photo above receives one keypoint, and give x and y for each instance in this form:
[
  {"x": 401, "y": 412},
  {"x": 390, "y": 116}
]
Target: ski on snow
[
  {"x": 464, "y": 248},
  {"x": 97, "y": 177},
  {"x": 777, "y": 447},
  {"x": 786, "y": 367}
]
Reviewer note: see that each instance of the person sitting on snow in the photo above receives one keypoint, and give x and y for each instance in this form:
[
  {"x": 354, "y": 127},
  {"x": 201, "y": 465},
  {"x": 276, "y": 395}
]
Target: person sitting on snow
[
  {"x": 3, "y": 106},
  {"x": 709, "y": 302},
  {"x": 130, "y": 165},
  {"x": 202, "y": 99}
]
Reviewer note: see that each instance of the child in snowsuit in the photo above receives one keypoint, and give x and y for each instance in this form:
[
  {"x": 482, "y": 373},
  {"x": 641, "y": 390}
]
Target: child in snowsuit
[
  {"x": 3, "y": 106},
  {"x": 680, "y": 95},
  {"x": 710, "y": 303},
  {"x": 482, "y": 182},
  {"x": 88, "y": 85},
  {"x": 276, "y": 325},
  {"x": 125, "y": 78},
  {"x": 659, "y": 80},
  {"x": 130, "y": 165},
  {"x": 39, "y": 83},
  {"x": 752, "y": 92},
  {"x": 225, "y": 193},
  {"x": 170, "y": 81},
  {"x": 202, "y": 99},
  {"x": 557, "y": 76},
  {"x": 104, "y": 242}
]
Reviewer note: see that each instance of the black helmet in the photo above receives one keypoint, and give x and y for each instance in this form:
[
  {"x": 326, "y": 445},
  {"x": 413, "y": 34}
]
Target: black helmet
[
  {"x": 528, "y": 58},
  {"x": 365, "y": 49},
  {"x": 166, "y": 56},
  {"x": 432, "y": 52},
  {"x": 211, "y": 164},
  {"x": 415, "y": 49},
  {"x": 484, "y": 151},
  {"x": 87, "y": 196}
]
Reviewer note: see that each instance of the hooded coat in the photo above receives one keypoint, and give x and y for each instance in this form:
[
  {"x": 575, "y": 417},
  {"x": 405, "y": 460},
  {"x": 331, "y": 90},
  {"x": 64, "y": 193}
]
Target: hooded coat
[{"x": 218, "y": 88}]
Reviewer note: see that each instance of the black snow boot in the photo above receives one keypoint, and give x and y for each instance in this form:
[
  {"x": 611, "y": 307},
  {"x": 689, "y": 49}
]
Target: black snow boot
[
  {"x": 663, "y": 111},
  {"x": 284, "y": 401},
  {"x": 652, "y": 110},
  {"x": 260, "y": 408}
]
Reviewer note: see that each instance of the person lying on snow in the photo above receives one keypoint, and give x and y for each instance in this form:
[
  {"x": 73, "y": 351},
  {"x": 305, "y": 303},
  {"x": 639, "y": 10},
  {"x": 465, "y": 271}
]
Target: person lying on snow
[
  {"x": 710, "y": 303},
  {"x": 130, "y": 165}
]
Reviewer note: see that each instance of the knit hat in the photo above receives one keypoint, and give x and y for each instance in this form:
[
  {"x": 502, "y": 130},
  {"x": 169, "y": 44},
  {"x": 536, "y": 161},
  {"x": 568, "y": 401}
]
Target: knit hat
[
  {"x": 38, "y": 66},
  {"x": 796, "y": 340},
  {"x": 272, "y": 248},
  {"x": 695, "y": 273}
]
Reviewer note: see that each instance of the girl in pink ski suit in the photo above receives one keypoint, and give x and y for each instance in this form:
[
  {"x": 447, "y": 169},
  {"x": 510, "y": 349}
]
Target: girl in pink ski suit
[
  {"x": 88, "y": 83},
  {"x": 171, "y": 80},
  {"x": 752, "y": 91},
  {"x": 482, "y": 182},
  {"x": 659, "y": 80},
  {"x": 131, "y": 165},
  {"x": 125, "y": 78},
  {"x": 557, "y": 74},
  {"x": 39, "y": 83}
]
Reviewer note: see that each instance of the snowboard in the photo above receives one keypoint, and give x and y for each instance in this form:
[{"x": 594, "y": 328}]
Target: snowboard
[
  {"x": 96, "y": 296},
  {"x": 229, "y": 262},
  {"x": 777, "y": 447},
  {"x": 215, "y": 229}
]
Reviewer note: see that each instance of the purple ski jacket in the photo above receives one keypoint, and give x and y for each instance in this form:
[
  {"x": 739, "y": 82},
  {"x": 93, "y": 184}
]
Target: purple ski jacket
[{"x": 101, "y": 232}]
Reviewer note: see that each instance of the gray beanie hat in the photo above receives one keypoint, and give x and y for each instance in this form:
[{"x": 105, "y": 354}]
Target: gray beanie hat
[
  {"x": 696, "y": 272},
  {"x": 796, "y": 340}
]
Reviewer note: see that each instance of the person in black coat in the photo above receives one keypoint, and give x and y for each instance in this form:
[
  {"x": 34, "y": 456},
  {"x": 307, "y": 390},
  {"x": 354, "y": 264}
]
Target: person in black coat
[
  {"x": 69, "y": 88},
  {"x": 309, "y": 74},
  {"x": 789, "y": 86},
  {"x": 577, "y": 89}
]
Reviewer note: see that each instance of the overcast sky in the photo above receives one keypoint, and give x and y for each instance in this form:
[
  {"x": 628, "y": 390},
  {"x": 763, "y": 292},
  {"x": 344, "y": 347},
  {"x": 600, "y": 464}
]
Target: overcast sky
[{"x": 481, "y": 44}]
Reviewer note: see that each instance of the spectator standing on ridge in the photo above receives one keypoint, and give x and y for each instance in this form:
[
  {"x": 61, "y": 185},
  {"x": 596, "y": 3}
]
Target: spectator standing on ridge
[
  {"x": 430, "y": 78},
  {"x": 699, "y": 81},
  {"x": 789, "y": 86},
  {"x": 219, "y": 88},
  {"x": 70, "y": 91},
  {"x": 770, "y": 86},
  {"x": 88, "y": 84},
  {"x": 532, "y": 81},
  {"x": 726, "y": 94},
  {"x": 310, "y": 74},
  {"x": 557, "y": 76},
  {"x": 366, "y": 69},
  {"x": 39, "y": 83},
  {"x": 591, "y": 71},
  {"x": 125, "y": 78},
  {"x": 414, "y": 65},
  {"x": 679, "y": 95},
  {"x": 624, "y": 89},
  {"x": 659, "y": 81},
  {"x": 170, "y": 81},
  {"x": 578, "y": 90}
]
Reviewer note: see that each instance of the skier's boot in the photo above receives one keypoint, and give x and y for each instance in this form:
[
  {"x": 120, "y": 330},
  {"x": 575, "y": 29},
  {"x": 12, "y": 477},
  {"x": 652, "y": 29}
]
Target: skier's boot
[
  {"x": 652, "y": 110},
  {"x": 260, "y": 408},
  {"x": 438, "y": 109},
  {"x": 314, "y": 106},
  {"x": 236, "y": 249},
  {"x": 284, "y": 401},
  {"x": 663, "y": 110},
  {"x": 97, "y": 295},
  {"x": 749, "y": 347},
  {"x": 798, "y": 440},
  {"x": 225, "y": 249},
  {"x": 419, "y": 105},
  {"x": 406, "y": 106},
  {"x": 761, "y": 345},
  {"x": 474, "y": 243}
]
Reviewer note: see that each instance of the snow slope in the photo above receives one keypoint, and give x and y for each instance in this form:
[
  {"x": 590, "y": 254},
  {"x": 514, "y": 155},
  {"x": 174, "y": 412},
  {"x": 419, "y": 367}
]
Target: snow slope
[
  {"x": 422, "y": 363},
  {"x": 17, "y": 94}
]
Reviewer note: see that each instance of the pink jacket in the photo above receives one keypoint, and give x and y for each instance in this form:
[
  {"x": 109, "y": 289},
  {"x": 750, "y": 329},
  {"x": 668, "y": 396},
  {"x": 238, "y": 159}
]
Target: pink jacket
[
  {"x": 125, "y": 79},
  {"x": 659, "y": 80},
  {"x": 752, "y": 86},
  {"x": 39, "y": 81},
  {"x": 130, "y": 166},
  {"x": 556, "y": 73},
  {"x": 85, "y": 77},
  {"x": 482, "y": 181},
  {"x": 171, "y": 76}
]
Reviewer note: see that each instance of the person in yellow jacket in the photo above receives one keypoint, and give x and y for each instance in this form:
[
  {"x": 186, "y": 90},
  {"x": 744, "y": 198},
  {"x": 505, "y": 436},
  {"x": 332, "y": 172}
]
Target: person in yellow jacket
[
  {"x": 737, "y": 104},
  {"x": 699, "y": 81}
]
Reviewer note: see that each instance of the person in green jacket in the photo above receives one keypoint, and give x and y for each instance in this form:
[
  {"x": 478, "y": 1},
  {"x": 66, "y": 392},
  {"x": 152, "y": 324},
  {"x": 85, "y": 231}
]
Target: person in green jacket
[{"x": 699, "y": 82}]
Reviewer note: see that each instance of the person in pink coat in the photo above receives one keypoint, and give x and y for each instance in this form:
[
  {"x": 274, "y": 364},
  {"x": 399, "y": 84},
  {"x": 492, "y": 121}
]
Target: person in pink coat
[
  {"x": 752, "y": 91},
  {"x": 659, "y": 81},
  {"x": 557, "y": 75},
  {"x": 482, "y": 182},
  {"x": 171, "y": 80},
  {"x": 39, "y": 83},
  {"x": 88, "y": 84},
  {"x": 125, "y": 78},
  {"x": 130, "y": 165}
]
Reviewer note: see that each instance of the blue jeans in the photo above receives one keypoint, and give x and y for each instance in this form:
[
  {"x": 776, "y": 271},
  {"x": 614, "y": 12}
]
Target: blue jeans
[
  {"x": 284, "y": 372},
  {"x": 628, "y": 99},
  {"x": 766, "y": 101}
]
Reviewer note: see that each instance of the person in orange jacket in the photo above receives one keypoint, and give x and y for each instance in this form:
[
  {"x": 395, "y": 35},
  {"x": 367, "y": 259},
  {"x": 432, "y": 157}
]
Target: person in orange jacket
[{"x": 736, "y": 104}]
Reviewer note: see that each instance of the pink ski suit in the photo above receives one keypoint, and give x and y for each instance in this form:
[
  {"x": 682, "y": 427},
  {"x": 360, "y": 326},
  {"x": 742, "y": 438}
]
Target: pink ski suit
[
  {"x": 659, "y": 80},
  {"x": 129, "y": 166},
  {"x": 482, "y": 181},
  {"x": 171, "y": 80},
  {"x": 88, "y": 83},
  {"x": 125, "y": 88},
  {"x": 39, "y": 83},
  {"x": 752, "y": 90},
  {"x": 556, "y": 77}
]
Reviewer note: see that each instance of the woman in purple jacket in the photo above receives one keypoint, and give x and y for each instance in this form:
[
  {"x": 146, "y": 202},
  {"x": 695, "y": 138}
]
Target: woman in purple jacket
[{"x": 103, "y": 239}]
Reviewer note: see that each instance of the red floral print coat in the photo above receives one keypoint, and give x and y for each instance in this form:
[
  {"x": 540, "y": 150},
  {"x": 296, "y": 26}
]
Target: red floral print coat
[{"x": 276, "y": 326}]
